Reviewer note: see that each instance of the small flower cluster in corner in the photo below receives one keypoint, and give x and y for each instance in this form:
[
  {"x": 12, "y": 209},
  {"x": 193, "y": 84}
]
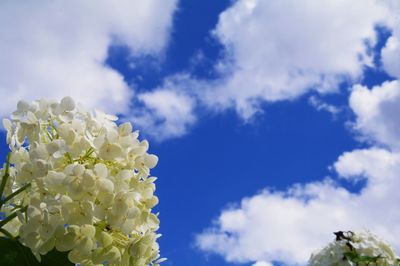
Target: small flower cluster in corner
[
  {"x": 355, "y": 249},
  {"x": 77, "y": 182}
]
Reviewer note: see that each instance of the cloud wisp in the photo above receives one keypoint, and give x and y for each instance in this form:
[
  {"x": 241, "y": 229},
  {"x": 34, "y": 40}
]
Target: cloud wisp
[{"x": 165, "y": 113}]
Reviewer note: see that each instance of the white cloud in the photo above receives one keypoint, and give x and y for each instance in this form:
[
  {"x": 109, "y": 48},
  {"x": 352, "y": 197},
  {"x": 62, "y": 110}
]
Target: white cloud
[
  {"x": 279, "y": 50},
  {"x": 391, "y": 55},
  {"x": 391, "y": 51},
  {"x": 288, "y": 226},
  {"x": 377, "y": 112},
  {"x": 262, "y": 263},
  {"x": 320, "y": 105},
  {"x": 55, "y": 48},
  {"x": 167, "y": 113}
]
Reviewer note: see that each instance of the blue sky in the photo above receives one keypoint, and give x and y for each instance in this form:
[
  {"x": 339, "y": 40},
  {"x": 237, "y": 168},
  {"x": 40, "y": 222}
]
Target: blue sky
[{"x": 275, "y": 122}]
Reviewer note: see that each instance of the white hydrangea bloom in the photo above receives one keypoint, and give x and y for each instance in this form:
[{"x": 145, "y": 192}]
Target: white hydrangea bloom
[
  {"x": 89, "y": 189},
  {"x": 364, "y": 245}
]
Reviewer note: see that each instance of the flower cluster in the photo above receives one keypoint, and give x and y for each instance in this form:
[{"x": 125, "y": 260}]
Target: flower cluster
[
  {"x": 351, "y": 249},
  {"x": 80, "y": 183}
]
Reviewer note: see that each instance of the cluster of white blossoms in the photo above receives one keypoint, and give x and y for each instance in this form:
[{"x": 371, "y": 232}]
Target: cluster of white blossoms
[
  {"x": 355, "y": 249},
  {"x": 81, "y": 184}
]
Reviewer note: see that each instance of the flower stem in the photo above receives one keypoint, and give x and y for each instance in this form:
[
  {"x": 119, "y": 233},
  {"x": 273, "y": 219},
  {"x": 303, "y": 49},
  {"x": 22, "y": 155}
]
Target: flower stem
[
  {"x": 6, "y": 175},
  {"x": 6, "y": 233},
  {"x": 12, "y": 216},
  {"x": 12, "y": 195}
]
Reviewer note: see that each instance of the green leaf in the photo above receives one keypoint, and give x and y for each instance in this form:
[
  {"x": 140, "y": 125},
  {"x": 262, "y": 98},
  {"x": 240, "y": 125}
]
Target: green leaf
[
  {"x": 14, "y": 253},
  {"x": 354, "y": 257},
  {"x": 368, "y": 259},
  {"x": 351, "y": 255}
]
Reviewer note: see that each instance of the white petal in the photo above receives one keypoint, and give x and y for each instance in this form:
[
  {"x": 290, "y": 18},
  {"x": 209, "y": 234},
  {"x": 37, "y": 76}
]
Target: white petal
[
  {"x": 150, "y": 160},
  {"x": 7, "y": 124},
  {"x": 125, "y": 174},
  {"x": 67, "y": 103},
  {"x": 78, "y": 170},
  {"x": 112, "y": 136},
  {"x": 23, "y": 106},
  {"x": 101, "y": 170},
  {"x": 105, "y": 185},
  {"x": 88, "y": 230},
  {"x": 105, "y": 239},
  {"x": 125, "y": 129},
  {"x": 31, "y": 118},
  {"x": 112, "y": 255}
]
